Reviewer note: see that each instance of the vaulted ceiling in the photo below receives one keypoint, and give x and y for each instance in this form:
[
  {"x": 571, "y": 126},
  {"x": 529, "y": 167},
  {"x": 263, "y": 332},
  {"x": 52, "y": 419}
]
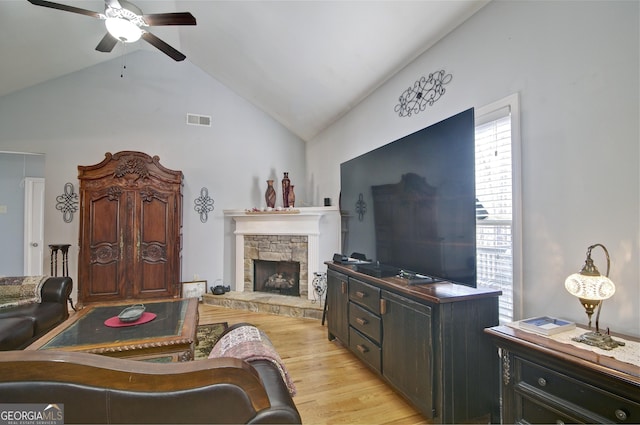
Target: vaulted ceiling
[{"x": 305, "y": 63}]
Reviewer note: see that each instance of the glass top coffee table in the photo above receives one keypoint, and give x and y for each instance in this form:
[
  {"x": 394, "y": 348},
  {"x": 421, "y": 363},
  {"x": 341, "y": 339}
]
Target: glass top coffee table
[{"x": 170, "y": 336}]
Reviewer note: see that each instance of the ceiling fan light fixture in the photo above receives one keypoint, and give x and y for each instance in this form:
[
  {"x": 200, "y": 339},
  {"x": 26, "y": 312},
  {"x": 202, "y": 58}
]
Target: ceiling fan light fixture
[{"x": 123, "y": 29}]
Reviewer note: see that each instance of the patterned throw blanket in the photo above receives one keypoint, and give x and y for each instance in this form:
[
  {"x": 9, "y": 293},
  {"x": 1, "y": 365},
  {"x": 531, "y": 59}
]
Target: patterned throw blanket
[
  {"x": 20, "y": 290},
  {"x": 246, "y": 342}
]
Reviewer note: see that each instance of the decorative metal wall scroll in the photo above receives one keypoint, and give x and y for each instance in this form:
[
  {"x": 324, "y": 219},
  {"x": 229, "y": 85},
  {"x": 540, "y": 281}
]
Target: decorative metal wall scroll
[
  {"x": 67, "y": 203},
  {"x": 361, "y": 207},
  {"x": 319, "y": 287},
  {"x": 425, "y": 91},
  {"x": 204, "y": 205},
  {"x": 506, "y": 366}
]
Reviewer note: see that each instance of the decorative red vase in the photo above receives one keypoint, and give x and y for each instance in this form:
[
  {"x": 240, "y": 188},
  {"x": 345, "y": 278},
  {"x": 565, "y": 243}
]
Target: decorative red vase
[
  {"x": 270, "y": 195},
  {"x": 286, "y": 187}
]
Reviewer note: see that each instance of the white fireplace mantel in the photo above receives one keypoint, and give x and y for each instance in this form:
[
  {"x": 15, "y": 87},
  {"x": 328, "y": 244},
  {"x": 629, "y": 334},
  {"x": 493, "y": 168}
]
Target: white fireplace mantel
[{"x": 321, "y": 226}]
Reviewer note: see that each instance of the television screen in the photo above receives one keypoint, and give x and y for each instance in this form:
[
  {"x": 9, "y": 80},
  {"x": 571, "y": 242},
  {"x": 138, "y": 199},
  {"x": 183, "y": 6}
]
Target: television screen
[{"x": 410, "y": 204}]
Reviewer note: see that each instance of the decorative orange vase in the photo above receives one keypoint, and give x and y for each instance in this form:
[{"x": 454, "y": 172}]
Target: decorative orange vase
[{"x": 292, "y": 197}]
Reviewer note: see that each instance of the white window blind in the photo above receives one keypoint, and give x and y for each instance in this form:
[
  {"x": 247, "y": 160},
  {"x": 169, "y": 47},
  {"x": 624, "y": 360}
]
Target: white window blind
[{"x": 494, "y": 212}]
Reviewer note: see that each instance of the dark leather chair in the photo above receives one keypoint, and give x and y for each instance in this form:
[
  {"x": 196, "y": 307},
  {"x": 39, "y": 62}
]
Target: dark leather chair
[
  {"x": 99, "y": 389},
  {"x": 21, "y": 325}
]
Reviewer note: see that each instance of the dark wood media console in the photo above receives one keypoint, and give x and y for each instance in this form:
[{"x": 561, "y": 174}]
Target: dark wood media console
[{"x": 427, "y": 341}]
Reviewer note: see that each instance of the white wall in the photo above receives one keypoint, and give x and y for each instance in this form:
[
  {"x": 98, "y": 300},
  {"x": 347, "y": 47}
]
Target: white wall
[
  {"x": 14, "y": 167},
  {"x": 576, "y": 68},
  {"x": 74, "y": 120}
]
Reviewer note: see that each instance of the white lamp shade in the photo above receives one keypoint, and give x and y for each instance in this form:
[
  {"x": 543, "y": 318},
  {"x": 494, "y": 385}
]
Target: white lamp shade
[
  {"x": 590, "y": 287},
  {"x": 123, "y": 29}
]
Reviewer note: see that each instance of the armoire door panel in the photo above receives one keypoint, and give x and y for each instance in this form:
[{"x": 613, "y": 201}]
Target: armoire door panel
[
  {"x": 104, "y": 281},
  {"x": 156, "y": 217},
  {"x": 156, "y": 230},
  {"x": 103, "y": 230},
  {"x": 155, "y": 280},
  {"x": 103, "y": 266}
]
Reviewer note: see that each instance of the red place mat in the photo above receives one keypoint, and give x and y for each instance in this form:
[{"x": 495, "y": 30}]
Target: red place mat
[{"x": 114, "y": 322}]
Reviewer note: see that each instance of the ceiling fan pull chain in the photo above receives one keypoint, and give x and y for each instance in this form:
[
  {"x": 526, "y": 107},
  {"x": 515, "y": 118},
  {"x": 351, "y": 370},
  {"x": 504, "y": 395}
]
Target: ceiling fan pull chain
[{"x": 124, "y": 60}]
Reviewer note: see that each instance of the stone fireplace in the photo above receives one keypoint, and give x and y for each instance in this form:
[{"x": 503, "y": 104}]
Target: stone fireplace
[
  {"x": 287, "y": 238},
  {"x": 276, "y": 263},
  {"x": 278, "y": 277}
]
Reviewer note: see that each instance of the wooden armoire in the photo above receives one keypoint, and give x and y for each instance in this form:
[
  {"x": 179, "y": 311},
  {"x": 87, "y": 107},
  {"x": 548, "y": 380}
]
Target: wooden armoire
[{"x": 130, "y": 229}]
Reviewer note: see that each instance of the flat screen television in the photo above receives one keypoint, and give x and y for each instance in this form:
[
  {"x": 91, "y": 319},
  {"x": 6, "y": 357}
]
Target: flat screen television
[{"x": 410, "y": 204}]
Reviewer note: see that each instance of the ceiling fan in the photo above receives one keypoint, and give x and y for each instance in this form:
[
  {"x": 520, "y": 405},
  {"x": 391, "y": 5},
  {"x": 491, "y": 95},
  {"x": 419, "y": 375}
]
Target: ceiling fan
[{"x": 125, "y": 22}]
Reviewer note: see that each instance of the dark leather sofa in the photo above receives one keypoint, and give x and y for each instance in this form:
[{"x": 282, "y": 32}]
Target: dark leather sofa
[
  {"x": 22, "y": 325},
  {"x": 99, "y": 389}
]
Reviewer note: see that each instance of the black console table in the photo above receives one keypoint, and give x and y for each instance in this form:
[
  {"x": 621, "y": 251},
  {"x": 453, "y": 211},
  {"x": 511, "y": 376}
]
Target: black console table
[
  {"x": 546, "y": 381},
  {"x": 426, "y": 341}
]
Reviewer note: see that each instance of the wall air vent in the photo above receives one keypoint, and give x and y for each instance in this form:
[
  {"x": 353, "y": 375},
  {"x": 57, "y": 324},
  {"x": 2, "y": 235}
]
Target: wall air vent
[{"x": 202, "y": 120}]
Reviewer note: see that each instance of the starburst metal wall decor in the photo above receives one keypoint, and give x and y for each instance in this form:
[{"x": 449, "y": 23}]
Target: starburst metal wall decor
[
  {"x": 203, "y": 205},
  {"x": 67, "y": 203},
  {"x": 425, "y": 91}
]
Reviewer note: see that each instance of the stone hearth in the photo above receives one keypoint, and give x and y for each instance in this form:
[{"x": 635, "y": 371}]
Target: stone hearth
[{"x": 261, "y": 302}]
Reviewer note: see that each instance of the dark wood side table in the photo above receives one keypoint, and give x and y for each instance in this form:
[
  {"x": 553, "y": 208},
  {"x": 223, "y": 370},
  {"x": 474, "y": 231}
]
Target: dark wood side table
[
  {"x": 64, "y": 250},
  {"x": 546, "y": 381}
]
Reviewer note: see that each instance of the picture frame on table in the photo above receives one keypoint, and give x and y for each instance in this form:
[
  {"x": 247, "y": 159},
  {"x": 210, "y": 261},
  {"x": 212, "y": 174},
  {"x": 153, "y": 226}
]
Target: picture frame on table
[
  {"x": 546, "y": 325},
  {"x": 194, "y": 289}
]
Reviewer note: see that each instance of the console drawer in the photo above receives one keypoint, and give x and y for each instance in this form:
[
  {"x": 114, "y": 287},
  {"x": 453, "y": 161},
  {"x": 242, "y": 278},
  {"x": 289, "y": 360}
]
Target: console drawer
[
  {"x": 364, "y": 294},
  {"x": 538, "y": 413},
  {"x": 365, "y": 322},
  {"x": 365, "y": 349},
  {"x": 612, "y": 407}
]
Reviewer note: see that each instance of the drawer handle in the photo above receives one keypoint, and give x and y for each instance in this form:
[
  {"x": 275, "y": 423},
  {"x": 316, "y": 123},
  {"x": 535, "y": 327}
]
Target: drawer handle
[
  {"x": 362, "y": 348},
  {"x": 343, "y": 286},
  {"x": 360, "y": 294},
  {"x": 621, "y": 415},
  {"x": 542, "y": 382},
  {"x": 361, "y": 321}
]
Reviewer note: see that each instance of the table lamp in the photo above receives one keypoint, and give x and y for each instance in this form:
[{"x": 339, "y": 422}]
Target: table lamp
[{"x": 592, "y": 288}]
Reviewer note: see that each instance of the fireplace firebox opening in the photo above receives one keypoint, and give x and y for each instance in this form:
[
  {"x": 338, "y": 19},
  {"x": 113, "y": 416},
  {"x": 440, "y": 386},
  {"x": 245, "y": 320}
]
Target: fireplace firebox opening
[{"x": 280, "y": 277}]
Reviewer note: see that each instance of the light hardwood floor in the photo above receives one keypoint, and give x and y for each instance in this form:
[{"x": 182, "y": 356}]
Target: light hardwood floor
[{"x": 333, "y": 386}]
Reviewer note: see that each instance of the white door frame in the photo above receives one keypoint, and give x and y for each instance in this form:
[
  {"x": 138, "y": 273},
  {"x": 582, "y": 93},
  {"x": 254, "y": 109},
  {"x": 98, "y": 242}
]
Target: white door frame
[{"x": 33, "y": 226}]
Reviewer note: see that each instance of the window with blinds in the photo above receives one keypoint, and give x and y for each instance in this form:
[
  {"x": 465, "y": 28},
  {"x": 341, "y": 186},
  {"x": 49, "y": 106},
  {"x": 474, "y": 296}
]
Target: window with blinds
[{"x": 494, "y": 205}]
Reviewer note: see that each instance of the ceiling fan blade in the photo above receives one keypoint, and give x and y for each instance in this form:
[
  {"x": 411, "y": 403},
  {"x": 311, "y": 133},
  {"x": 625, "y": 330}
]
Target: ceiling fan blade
[
  {"x": 107, "y": 43},
  {"x": 161, "y": 45},
  {"x": 66, "y": 8},
  {"x": 178, "y": 18}
]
